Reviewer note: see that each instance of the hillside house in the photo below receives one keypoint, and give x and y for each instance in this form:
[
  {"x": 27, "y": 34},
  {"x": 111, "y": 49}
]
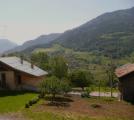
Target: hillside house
[
  {"x": 125, "y": 74},
  {"x": 17, "y": 74}
]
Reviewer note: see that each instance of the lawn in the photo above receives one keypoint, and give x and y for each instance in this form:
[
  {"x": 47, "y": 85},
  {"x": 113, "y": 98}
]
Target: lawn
[
  {"x": 14, "y": 101},
  {"x": 13, "y": 104}
]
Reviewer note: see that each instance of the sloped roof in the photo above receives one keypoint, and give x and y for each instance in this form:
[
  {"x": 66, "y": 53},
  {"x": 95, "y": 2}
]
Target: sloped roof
[
  {"x": 15, "y": 63},
  {"x": 124, "y": 70}
]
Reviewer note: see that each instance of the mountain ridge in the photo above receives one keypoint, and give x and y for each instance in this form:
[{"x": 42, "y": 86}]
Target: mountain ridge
[
  {"x": 43, "y": 39},
  {"x": 88, "y": 37},
  {"x": 6, "y": 44},
  {"x": 109, "y": 33}
]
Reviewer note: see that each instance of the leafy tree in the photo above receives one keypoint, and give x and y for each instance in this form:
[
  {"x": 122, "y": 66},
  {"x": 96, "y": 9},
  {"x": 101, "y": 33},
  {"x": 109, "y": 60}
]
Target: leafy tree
[
  {"x": 110, "y": 70},
  {"x": 40, "y": 59},
  {"x": 51, "y": 86},
  {"x": 65, "y": 86},
  {"x": 59, "y": 67},
  {"x": 81, "y": 78},
  {"x": 43, "y": 88}
]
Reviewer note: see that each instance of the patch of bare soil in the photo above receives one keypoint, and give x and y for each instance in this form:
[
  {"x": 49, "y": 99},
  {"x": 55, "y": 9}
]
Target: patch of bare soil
[
  {"x": 77, "y": 105},
  {"x": 12, "y": 116}
]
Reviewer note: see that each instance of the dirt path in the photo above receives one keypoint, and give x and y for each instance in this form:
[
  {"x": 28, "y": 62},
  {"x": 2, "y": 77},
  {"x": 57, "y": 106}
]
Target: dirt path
[{"x": 13, "y": 116}]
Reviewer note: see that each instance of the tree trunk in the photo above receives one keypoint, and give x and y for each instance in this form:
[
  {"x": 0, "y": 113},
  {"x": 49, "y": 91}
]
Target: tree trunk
[
  {"x": 53, "y": 98},
  {"x": 111, "y": 85},
  {"x": 99, "y": 88}
]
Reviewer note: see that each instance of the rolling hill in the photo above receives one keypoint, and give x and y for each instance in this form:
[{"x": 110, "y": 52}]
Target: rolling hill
[{"x": 6, "y": 45}]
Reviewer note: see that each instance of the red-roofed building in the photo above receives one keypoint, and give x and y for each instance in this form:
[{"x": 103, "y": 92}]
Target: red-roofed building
[{"x": 125, "y": 74}]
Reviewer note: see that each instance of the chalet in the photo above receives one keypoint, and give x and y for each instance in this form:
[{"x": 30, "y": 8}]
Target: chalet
[
  {"x": 18, "y": 74},
  {"x": 125, "y": 74}
]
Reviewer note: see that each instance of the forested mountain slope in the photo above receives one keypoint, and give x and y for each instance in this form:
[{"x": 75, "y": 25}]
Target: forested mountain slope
[{"x": 109, "y": 33}]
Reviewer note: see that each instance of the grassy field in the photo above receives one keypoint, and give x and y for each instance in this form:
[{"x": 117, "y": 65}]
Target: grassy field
[{"x": 13, "y": 103}]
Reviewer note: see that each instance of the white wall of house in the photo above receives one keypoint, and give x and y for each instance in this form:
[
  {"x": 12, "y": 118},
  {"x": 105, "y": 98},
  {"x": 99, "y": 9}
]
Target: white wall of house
[{"x": 10, "y": 80}]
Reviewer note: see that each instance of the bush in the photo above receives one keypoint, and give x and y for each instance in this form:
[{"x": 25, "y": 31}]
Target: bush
[
  {"x": 86, "y": 93},
  {"x": 41, "y": 96},
  {"x": 30, "y": 103},
  {"x": 26, "y": 105},
  {"x": 34, "y": 101}
]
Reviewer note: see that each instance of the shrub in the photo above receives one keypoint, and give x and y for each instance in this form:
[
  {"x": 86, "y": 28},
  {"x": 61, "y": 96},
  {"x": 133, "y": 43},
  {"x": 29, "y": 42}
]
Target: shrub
[
  {"x": 40, "y": 96},
  {"x": 85, "y": 95},
  {"x": 34, "y": 101},
  {"x": 26, "y": 105},
  {"x": 30, "y": 103}
]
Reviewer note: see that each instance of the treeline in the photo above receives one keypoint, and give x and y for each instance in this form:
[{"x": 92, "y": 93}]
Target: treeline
[{"x": 62, "y": 77}]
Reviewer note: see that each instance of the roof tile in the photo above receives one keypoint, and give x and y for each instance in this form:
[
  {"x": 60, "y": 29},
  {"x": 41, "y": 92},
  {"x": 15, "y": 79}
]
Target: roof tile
[{"x": 124, "y": 70}]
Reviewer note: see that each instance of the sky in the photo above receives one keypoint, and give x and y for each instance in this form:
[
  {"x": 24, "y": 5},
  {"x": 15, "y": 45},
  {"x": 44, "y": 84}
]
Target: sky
[{"x": 22, "y": 20}]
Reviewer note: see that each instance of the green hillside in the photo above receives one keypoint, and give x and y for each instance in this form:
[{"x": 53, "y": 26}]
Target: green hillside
[
  {"x": 85, "y": 60},
  {"x": 108, "y": 34}
]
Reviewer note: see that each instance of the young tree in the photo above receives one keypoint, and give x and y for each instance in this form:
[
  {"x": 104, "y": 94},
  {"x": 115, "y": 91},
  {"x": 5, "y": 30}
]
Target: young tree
[
  {"x": 65, "y": 86},
  {"x": 110, "y": 70},
  {"x": 43, "y": 88},
  {"x": 59, "y": 67},
  {"x": 52, "y": 85},
  {"x": 81, "y": 78}
]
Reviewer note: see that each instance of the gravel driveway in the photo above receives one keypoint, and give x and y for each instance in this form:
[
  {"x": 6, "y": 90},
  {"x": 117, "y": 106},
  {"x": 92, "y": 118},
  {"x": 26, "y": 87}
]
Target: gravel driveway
[{"x": 96, "y": 93}]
